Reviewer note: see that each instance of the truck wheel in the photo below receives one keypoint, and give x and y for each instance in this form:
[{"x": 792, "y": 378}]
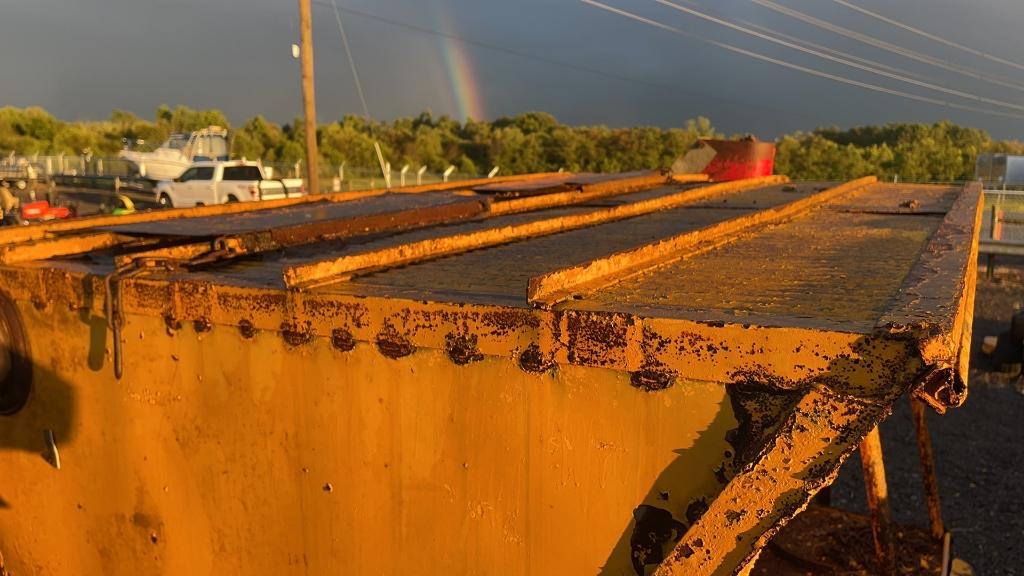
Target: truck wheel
[
  {"x": 232, "y": 198},
  {"x": 15, "y": 360},
  {"x": 165, "y": 201},
  {"x": 1017, "y": 326}
]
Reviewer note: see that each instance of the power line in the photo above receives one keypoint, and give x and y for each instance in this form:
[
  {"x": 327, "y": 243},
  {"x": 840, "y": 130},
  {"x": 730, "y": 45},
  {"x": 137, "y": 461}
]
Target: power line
[
  {"x": 544, "y": 59},
  {"x": 792, "y": 66},
  {"x": 351, "y": 61},
  {"x": 847, "y": 55},
  {"x": 840, "y": 60},
  {"x": 928, "y": 35},
  {"x": 887, "y": 46}
]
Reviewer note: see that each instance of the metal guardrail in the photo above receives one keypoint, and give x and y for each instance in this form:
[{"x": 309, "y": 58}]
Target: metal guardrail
[
  {"x": 334, "y": 178},
  {"x": 114, "y": 184},
  {"x": 1002, "y": 231}
]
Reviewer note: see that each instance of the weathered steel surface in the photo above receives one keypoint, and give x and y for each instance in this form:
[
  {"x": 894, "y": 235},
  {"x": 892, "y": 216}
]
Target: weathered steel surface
[
  {"x": 297, "y": 217},
  {"x": 319, "y": 271},
  {"x": 567, "y": 283},
  {"x": 424, "y": 418}
]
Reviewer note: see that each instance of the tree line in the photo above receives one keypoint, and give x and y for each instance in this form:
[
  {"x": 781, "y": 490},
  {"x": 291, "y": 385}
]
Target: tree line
[{"x": 530, "y": 142}]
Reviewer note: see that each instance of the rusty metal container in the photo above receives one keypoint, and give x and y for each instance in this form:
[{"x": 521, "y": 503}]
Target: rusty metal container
[
  {"x": 558, "y": 374},
  {"x": 726, "y": 160}
]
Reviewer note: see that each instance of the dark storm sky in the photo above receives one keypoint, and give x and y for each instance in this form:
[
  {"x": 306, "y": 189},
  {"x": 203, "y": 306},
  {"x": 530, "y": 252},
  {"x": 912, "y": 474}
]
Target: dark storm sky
[{"x": 81, "y": 58}]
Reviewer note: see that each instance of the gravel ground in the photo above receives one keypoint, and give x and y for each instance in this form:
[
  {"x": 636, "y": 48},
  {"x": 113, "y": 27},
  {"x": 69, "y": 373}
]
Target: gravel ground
[{"x": 979, "y": 450}]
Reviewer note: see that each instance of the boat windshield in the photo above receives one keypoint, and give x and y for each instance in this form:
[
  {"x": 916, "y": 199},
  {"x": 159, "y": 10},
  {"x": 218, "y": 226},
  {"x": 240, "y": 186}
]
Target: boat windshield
[
  {"x": 176, "y": 142},
  {"x": 210, "y": 147}
]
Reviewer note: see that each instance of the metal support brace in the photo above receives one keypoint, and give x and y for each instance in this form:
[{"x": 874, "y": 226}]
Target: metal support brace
[
  {"x": 931, "y": 485},
  {"x": 878, "y": 502}
]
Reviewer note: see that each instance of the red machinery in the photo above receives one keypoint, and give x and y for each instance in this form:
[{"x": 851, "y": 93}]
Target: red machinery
[
  {"x": 724, "y": 160},
  {"x": 42, "y": 210}
]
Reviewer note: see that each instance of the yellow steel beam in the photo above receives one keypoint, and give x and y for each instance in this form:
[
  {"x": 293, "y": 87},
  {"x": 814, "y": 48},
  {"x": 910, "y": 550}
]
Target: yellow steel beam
[
  {"x": 689, "y": 178},
  {"x": 55, "y": 247},
  {"x": 588, "y": 192},
  {"x": 12, "y": 235},
  {"x": 801, "y": 457},
  {"x": 308, "y": 274},
  {"x": 469, "y": 184},
  {"x": 563, "y": 284},
  {"x": 601, "y": 339},
  {"x": 947, "y": 266}
]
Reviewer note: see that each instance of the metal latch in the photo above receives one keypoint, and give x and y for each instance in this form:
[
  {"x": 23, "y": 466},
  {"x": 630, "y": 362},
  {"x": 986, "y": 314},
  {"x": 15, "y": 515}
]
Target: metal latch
[{"x": 114, "y": 309}]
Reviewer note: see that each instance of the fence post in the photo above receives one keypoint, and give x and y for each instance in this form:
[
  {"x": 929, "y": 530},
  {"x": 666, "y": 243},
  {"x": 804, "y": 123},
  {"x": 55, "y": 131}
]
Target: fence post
[
  {"x": 448, "y": 173},
  {"x": 404, "y": 170},
  {"x": 419, "y": 175},
  {"x": 995, "y": 233},
  {"x": 494, "y": 172}
]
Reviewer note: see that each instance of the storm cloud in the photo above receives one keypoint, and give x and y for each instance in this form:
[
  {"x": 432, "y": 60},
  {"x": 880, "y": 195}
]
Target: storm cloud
[{"x": 79, "y": 59}]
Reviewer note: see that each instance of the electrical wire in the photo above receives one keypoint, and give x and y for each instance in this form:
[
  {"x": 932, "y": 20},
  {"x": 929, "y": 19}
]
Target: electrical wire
[
  {"x": 928, "y": 35},
  {"x": 351, "y": 60},
  {"x": 546, "y": 60},
  {"x": 840, "y": 60},
  {"x": 888, "y": 46},
  {"x": 792, "y": 66},
  {"x": 833, "y": 51}
]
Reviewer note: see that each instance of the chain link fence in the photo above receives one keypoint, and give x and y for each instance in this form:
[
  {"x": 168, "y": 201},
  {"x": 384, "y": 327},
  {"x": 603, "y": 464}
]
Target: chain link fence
[{"x": 332, "y": 178}]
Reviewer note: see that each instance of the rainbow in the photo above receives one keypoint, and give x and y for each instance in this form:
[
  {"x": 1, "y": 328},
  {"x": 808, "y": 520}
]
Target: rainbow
[{"x": 463, "y": 87}]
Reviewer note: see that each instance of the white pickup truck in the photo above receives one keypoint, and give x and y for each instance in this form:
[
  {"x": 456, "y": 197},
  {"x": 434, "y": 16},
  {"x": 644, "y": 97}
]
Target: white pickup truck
[{"x": 206, "y": 183}]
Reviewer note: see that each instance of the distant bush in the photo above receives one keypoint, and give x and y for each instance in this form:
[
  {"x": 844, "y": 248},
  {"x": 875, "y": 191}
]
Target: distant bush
[{"x": 530, "y": 142}]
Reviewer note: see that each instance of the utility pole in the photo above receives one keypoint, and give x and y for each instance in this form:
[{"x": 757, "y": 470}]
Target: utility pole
[{"x": 309, "y": 95}]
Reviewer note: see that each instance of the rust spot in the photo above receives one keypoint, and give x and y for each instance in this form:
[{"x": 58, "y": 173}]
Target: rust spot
[
  {"x": 942, "y": 388},
  {"x": 202, "y": 325},
  {"x": 533, "y": 360},
  {"x": 462, "y": 348},
  {"x": 394, "y": 346},
  {"x": 720, "y": 474},
  {"x": 734, "y": 516},
  {"x": 759, "y": 405},
  {"x": 695, "y": 510},
  {"x": 595, "y": 339},
  {"x": 39, "y": 304},
  {"x": 651, "y": 380},
  {"x": 342, "y": 340},
  {"x": 172, "y": 323},
  {"x": 295, "y": 335},
  {"x": 247, "y": 329},
  {"x": 654, "y": 530}
]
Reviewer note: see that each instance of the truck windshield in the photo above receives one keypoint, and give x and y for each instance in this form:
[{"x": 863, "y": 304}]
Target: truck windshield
[{"x": 242, "y": 173}]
